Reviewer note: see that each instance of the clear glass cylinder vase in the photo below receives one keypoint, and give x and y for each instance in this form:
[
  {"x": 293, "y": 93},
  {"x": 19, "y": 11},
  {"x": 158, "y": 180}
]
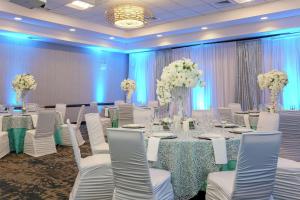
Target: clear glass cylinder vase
[{"x": 179, "y": 98}]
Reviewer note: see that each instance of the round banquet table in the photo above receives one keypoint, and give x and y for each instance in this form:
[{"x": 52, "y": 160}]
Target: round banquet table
[
  {"x": 17, "y": 124},
  {"x": 190, "y": 161}
]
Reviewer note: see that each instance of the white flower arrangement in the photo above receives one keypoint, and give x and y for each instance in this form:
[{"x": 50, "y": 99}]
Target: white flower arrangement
[
  {"x": 181, "y": 73},
  {"x": 23, "y": 83},
  {"x": 128, "y": 86},
  {"x": 275, "y": 81}
]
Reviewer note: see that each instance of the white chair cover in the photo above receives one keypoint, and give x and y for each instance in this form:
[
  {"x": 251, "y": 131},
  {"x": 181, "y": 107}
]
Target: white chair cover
[
  {"x": 268, "y": 122},
  {"x": 4, "y": 142},
  {"x": 153, "y": 104},
  {"x": 94, "y": 107},
  {"x": 96, "y": 134},
  {"x": 119, "y": 102},
  {"x": 287, "y": 183},
  {"x": 132, "y": 176},
  {"x": 61, "y": 108},
  {"x": 255, "y": 174},
  {"x": 40, "y": 141},
  {"x": 125, "y": 114},
  {"x": 2, "y": 108},
  {"x": 32, "y": 107},
  {"x": 80, "y": 116},
  {"x": 235, "y": 107},
  {"x": 225, "y": 114},
  {"x": 94, "y": 180},
  {"x": 142, "y": 115},
  {"x": 203, "y": 114},
  {"x": 289, "y": 125}
]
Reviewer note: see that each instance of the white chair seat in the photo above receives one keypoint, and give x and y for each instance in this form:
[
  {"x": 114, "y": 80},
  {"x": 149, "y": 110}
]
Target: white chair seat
[
  {"x": 102, "y": 148},
  {"x": 161, "y": 183},
  {"x": 222, "y": 183},
  {"x": 95, "y": 160},
  {"x": 3, "y": 133}
]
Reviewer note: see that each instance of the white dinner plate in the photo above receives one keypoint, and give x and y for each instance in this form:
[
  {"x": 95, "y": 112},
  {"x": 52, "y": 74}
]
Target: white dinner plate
[
  {"x": 226, "y": 125},
  {"x": 164, "y": 135},
  {"x": 240, "y": 130},
  {"x": 134, "y": 126}
]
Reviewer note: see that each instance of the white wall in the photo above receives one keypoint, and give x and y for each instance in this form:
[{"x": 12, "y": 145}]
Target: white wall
[{"x": 65, "y": 74}]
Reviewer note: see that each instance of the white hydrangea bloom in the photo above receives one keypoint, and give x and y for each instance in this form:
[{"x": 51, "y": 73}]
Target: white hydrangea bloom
[{"x": 23, "y": 83}]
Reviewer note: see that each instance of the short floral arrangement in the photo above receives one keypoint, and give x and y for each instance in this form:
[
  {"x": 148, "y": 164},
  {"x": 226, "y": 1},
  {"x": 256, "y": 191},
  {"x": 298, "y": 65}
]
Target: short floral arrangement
[
  {"x": 22, "y": 84},
  {"x": 274, "y": 81},
  {"x": 166, "y": 122},
  {"x": 182, "y": 73},
  {"x": 128, "y": 86}
]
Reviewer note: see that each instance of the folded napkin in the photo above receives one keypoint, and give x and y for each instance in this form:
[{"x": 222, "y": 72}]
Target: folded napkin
[
  {"x": 152, "y": 150},
  {"x": 34, "y": 118},
  {"x": 220, "y": 152}
]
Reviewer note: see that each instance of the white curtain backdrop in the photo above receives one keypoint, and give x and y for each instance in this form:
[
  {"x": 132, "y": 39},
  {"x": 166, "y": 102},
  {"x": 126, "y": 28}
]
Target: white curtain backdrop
[{"x": 283, "y": 53}]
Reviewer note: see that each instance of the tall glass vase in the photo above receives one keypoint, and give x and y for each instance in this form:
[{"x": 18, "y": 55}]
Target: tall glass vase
[
  {"x": 179, "y": 98},
  {"x": 23, "y": 98},
  {"x": 128, "y": 97},
  {"x": 274, "y": 102}
]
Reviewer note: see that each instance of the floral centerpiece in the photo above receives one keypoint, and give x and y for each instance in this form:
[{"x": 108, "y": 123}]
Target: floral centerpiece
[
  {"x": 275, "y": 81},
  {"x": 166, "y": 122},
  {"x": 176, "y": 80},
  {"x": 128, "y": 86},
  {"x": 22, "y": 84}
]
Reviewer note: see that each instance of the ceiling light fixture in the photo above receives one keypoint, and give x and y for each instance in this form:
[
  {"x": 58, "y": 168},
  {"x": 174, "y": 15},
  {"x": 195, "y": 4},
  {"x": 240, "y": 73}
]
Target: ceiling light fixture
[
  {"x": 204, "y": 28},
  {"x": 79, "y": 5},
  {"x": 128, "y": 16},
  {"x": 264, "y": 18},
  {"x": 159, "y": 35},
  {"x": 72, "y": 29},
  {"x": 18, "y": 18},
  {"x": 243, "y": 1},
  {"x": 111, "y": 38}
]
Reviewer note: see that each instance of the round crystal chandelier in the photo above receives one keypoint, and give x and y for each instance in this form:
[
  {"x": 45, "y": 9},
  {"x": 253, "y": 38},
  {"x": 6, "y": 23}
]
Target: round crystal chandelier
[{"x": 128, "y": 16}]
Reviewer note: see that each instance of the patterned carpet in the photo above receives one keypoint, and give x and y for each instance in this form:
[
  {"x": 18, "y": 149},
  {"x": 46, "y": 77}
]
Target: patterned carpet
[{"x": 23, "y": 177}]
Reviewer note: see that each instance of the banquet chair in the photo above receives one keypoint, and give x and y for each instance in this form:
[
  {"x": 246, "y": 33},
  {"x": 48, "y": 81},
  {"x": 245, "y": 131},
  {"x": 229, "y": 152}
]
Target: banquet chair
[
  {"x": 2, "y": 108},
  {"x": 133, "y": 178},
  {"x": 125, "y": 114},
  {"x": 40, "y": 141},
  {"x": 4, "y": 141},
  {"x": 225, "y": 114},
  {"x": 94, "y": 107},
  {"x": 96, "y": 133},
  {"x": 202, "y": 114},
  {"x": 142, "y": 115},
  {"x": 235, "y": 107},
  {"x": 255, "y": 173},
  {"x": 268, "y": 121},
  {"x": 287, "y": 183},
  {"x": 94, "y": 179},
  {"x": 153, "y": 104},
  {"x": 61, "y": 109},
  {"x": 119, "y": 102},
  {"x": 65, "y": 133},
  {"x": 32, "y": 107},
  {"x": 289, "y": 125}
]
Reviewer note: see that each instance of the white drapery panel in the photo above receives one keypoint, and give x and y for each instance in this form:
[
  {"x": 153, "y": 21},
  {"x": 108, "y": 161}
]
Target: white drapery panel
[
  {"x": 219, "y": 64},
  {"x": 283, "y": 53},
  {"x": 142, "y": 70}
]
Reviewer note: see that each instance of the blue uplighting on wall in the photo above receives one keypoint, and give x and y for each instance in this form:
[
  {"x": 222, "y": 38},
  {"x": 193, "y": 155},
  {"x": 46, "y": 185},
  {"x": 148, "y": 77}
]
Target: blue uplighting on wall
[{"x": 201, "y": 97}]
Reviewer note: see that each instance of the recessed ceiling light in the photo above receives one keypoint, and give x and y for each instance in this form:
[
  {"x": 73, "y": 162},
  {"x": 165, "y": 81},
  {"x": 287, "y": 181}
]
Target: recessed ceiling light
[
  {"x": 111, "y": 38},
  {"x": 159, "y": 35},
  {"x": 204, "y": 28},
  {"x": 80, "y": 5},
  {"x": 243, "y": 1},
  {"x": 72, "y": 29},
  {"x": 264, "y": 18},
  {"x": 18, "y": 18}
]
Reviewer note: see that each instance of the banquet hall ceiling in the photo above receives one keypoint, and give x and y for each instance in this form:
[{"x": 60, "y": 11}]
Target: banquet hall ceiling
[
  {"x": 163, "y": 10},
  {"x": 177, "y": 23}
]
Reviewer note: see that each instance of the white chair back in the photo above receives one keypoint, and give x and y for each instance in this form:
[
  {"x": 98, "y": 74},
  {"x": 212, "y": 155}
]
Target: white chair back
[
  {"x": 268, "y": 122},
  {"x": 235, "y": 107},
  {"x": 32, "y": 107},
  {"x": 45, "y": 124},
  {"x": 129, "y": 165},
  {"x": 202, "y": 114},
  {"x": 225, "y": 114},
  {"x": 94, "y": 107},
  {"x": 119, "y": 102},
  {"x": 61, "y": 109},
  {"x": 142, "y": 115},
  {"x": 76, "y": 149},
  {"x": 153, "y": 104},
  {"x": 2, "y": 108},
  {"x": 125, "y": 114},
  {"x": 80, "y": 116},
  {"x": 289, "y": 125},
  {"x": 256, "y": 166},
  {"x": 95, "y": 130}
]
